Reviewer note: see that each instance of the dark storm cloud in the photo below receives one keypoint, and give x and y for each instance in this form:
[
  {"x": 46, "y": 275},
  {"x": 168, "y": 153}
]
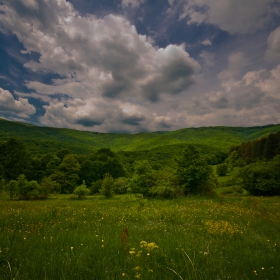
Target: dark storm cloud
[
  {"x": 88, "y": 122},
  {"x": 133, "y": 120}
]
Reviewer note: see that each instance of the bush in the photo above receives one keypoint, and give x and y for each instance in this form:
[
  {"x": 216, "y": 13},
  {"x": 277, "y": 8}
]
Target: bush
[
  {"x": 81, "y": 191},
  {"x": 95, "y": 186},
  {"x": 222, "y": 169},
  {"x": 120, "y": 185},
  {"x": 107, "y": 186},
  {"x": 261, "y": 178}
]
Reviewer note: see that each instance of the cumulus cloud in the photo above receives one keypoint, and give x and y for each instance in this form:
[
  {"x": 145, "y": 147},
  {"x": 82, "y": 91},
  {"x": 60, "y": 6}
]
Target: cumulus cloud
[
  {"x": 97, "y": 59},
  {"x": 233, "y": 16},
  {"x": 273, "y": 42},
  {"x": 20, "y": 107},
  {"x": 103, "y": 56},
  {"x": 252, "y": 100}
]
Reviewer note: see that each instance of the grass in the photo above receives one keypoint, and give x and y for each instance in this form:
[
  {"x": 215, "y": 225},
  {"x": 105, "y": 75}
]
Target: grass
[{"x": 95, "y": 238}]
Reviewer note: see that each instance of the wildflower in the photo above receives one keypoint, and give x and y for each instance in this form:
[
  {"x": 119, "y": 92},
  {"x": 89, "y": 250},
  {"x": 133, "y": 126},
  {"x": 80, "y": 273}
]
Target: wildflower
[
  {"x": 138, "y": 275},
  {"x": 123, "y": 274},
  {"x": 137, "y": 268},
  {"x": 102, "y": 245},
  {"x": 131, "y": 252},
  {"x": 262, "y": 268},
  {"x": 72, "y": 248}
]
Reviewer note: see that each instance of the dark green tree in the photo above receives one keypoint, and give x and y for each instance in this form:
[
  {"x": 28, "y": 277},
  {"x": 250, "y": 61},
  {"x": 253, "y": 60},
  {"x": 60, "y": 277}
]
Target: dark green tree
[
  {"x": 143, "y": 179},
  {"x": 193, "y": 172},
  {"x": 48, "y": 186},
  {"x": 222, "y": 169},
  {"x": 12, "y": 188},
  {"x": 14, "y": 158},
  {"x": 67, "y": 174},
  {"x": 107, "y": 188}
]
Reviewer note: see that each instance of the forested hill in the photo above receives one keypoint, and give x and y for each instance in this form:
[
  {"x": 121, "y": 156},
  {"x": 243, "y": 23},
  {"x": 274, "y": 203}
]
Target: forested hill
[{"x": 42, "y": 140}]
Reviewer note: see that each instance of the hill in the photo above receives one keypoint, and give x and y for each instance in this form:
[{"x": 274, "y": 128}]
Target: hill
[{"x": 159, "y": 145}]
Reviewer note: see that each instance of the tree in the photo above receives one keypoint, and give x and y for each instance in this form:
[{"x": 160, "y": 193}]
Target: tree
[
  {"x": 22, "y": 186},
  {"x": 143, "y": 179},
  {"x": 107, "y": 186},
  {"x": 12, "y": 188},
  {"x": 222, "y": 169},
  {"x": 261, "y": 177},
  {"x": 2, "y": 186},
  {"x": 81, "y": 191},
  {"x": 62, "y": 153},
  {"x": 14, "y": 158},
  {"x": 193, "y": 172},
  {"x": 47, "y": 186},
  {"x": 32, "y": 190},
  {"x": 67, "y": 174},
  {"x": 52, "y": 165}
]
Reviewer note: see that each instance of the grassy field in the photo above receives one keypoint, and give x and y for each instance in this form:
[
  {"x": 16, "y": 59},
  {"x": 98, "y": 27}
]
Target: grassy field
[{"x": 129, "y": 238}]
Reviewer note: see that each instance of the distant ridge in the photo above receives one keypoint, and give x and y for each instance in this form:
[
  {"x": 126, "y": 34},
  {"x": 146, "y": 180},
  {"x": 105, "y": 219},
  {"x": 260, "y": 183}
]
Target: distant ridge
[{"x": 47, "y": 139}]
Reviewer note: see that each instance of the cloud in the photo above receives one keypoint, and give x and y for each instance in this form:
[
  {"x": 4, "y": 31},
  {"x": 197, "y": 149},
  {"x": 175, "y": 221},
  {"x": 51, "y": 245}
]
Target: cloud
[
  {"x": 251, "y": 100},
  {"x": 236, "y": 62},
  {"x": 96, "y": 57},
  {"x": 20, "y": 107},
  {"x": 233, "y": 16},
  {"x": 132, "y": 3},
  {"x": 206, "y": 42},
  {"x": 273, "y": 42}
]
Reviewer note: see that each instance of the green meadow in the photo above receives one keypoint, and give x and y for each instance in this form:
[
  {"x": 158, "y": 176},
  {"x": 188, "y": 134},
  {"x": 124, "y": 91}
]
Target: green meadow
[{"x": 126, "y": 237}]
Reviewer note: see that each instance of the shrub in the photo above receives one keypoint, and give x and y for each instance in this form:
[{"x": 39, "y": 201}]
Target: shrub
[
  {"x": 107, "y": 186},
  {"x": 81, "y": 191},
  {"x": 95, "y": 186},
  {"x": 261, "y": 178},
  {"x": 222, "y": 169}
]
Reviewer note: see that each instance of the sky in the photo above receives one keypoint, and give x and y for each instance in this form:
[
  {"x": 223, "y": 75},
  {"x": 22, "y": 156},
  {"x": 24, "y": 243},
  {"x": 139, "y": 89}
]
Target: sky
[{"x": 128, "y": 66}]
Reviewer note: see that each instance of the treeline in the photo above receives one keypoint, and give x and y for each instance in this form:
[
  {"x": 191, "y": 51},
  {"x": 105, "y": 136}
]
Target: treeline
[
  {"x": 266, "y": 147},
  {"x": 25, "y": 176},
  {"x": 258, "y": 164}
]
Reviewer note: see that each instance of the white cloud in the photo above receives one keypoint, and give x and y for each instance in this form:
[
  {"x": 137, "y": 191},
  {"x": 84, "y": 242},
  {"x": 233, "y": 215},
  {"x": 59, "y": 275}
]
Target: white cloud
[
  {"x": 273, "y": 42},
  {"x": 20, "y": 107},
  {"x": 206, "y": 42},
  {"x": 98, "y": 56},
  {"x": 132, "y": 3},
  {"x": 233, "y": 16}
]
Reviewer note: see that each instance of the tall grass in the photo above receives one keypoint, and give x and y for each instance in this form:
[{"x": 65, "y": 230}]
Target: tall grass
[{"x": 95, "y": 238}]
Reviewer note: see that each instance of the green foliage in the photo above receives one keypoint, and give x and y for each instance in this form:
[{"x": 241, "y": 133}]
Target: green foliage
[
  {"x": 96, "y": 186},
  {"x": 193, "y": 172},
  {"x": 48, "y": 186},
  {"x": 52, "y": 164},
  {"x": 2, "y": 186},
  {"x": 222, "y": 169},
  {"x": 32, "y": 191},
  {"x": 62, "y": 153},
  {"x": 23, "y": 188},
  {"x": 107, "y": 188},
  {"x": 261, "y": 177},
  {"x": 12, "y": 188},
  {"x": 81, "y": 191},
  {"x": 14, "y": 158},
  {"x": 143, "y": 179},
  {"x": 120, "y": 185},
  {"x": 67, "y": 174}
]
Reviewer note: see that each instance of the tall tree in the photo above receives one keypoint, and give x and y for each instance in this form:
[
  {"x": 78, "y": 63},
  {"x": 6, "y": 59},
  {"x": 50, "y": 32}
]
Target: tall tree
[
  {"x": 67, "y": 174},
  {"x": 193, "y": 172}
]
